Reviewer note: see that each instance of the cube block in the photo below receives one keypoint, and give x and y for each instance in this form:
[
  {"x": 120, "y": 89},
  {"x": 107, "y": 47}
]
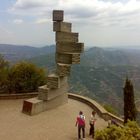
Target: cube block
[
  {"x": 68, "y": 58},
  {"x": 62, "y": 27},
  {"x": 75, "y": 58},
  {"x": 58, "y": 15},
  {"x": 63, "y": 69},
  {"x": 66, "y": 37},
  {"x": 43, "y": 92},
  {"x": 53, "y": 81},
  {"x": 69, "y": 47},
  {"x": 32, "y": 106}
]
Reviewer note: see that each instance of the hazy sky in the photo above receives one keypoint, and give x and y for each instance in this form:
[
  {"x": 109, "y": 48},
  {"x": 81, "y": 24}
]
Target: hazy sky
[{"x": 99, "y": 22}]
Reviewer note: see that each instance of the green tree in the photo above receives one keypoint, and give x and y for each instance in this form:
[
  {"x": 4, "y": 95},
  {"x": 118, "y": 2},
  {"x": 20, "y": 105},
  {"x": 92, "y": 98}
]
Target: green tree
[
  {"x": 129, "y": 104},
  {"x": 25, "y": 77}
]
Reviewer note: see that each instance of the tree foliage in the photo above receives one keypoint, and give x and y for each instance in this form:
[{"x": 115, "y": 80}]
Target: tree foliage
[
  {"x": 129, "y": 104},
  {"x": 21, "y": 77},
  {"x": 131, "y": 131},
  {"x": 4, "y": 65},
  {"x": 25, "y": 77}
]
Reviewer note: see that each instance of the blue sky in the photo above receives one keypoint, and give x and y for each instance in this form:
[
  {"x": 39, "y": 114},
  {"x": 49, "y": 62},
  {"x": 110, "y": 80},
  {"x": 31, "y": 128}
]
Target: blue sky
[{"x": 99, "y": 22}]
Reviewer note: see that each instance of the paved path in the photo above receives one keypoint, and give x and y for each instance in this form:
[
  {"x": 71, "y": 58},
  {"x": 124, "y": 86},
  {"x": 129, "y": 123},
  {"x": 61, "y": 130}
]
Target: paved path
[{"x": 55, "y": 124}]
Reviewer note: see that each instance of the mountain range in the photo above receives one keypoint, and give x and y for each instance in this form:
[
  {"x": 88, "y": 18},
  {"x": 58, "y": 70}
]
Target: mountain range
[
  {"x": 15, "y": 53},
  {"x": 100, "y": 75}
]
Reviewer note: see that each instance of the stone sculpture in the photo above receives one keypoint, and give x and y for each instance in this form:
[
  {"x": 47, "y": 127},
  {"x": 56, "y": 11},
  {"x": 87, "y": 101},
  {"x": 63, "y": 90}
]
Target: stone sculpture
[{"x": 68, "y": 51}]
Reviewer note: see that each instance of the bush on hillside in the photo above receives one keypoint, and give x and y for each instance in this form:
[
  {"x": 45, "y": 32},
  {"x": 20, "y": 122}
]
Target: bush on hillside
[
  {"x": 110, "y": 109},
  {"x": 21, "y": 77},
  {"x": 131, "y": 131},
  {"x": 4, "y": 65},
  {"x": 25, "y": 77}
]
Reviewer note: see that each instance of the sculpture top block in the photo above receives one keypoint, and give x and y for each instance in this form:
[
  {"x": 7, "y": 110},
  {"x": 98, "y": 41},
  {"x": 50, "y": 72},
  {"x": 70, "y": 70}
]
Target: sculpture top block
[{"x": 58, "y": 15}]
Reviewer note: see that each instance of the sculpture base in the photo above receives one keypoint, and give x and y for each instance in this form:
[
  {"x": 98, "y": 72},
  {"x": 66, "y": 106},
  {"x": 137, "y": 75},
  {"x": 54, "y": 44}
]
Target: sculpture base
[{"x": 34, "y": 106}]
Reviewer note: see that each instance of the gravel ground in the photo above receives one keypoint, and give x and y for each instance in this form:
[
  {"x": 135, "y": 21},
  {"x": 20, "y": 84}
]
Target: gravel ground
[{"x": 55, "y": 124}]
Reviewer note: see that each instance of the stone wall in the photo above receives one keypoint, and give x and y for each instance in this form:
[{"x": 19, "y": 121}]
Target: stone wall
[
  {"x": 98, "y": 108},
  {"x": 18, "y": 96}
]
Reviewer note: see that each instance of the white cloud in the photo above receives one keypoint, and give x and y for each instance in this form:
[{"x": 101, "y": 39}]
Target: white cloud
[
  {"x": 17, "y": 21},
  {"x": 5, "y": 31},
  {"x": 87, "y": 10},
  {"x": 41, "y": 21},
  {"x": 98, "y": 21},
  {"x": 27, "y": 4},
  {"x": 6, "y": 35}
]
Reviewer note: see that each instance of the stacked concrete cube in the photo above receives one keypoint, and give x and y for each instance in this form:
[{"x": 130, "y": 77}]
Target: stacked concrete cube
[{"x": 68, "y": 51}]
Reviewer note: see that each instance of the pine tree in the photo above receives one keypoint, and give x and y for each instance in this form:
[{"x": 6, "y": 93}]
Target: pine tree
[{"x": 129, "y": 104}]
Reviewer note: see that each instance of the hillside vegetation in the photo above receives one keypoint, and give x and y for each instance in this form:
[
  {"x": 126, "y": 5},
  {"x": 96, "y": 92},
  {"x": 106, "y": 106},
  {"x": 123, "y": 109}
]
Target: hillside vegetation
[{"x": 101, "y": 74}]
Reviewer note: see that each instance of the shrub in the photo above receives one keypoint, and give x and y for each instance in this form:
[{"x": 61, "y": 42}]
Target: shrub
[
  {"x": 25, "y": 77},
  {"x": 131, "y": 131}
]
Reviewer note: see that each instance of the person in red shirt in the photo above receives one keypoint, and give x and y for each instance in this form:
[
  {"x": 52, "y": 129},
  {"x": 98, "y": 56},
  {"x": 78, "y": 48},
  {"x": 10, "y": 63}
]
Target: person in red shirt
[{"x": 80, "y": 122}]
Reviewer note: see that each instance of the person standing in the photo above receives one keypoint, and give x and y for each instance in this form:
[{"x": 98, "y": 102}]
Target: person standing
[
  {"x": 92, "y": 124},
  {"x": 80, "y": 121}
]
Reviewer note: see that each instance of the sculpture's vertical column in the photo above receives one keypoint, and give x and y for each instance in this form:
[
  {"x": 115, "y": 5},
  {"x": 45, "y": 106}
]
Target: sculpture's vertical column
[{"x": 68, "y": 50}]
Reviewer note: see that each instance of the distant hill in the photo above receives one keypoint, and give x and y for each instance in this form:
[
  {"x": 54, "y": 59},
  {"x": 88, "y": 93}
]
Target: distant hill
[
  {"x": 101, "y": 73},
  {"x": 16, "y": 53},
  {"x": 100, "y": 57},
  {"x": 45, "y": 61}
]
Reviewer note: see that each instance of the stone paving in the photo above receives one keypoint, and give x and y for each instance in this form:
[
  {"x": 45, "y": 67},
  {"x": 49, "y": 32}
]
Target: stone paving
[{"x": 55, "y": 124}]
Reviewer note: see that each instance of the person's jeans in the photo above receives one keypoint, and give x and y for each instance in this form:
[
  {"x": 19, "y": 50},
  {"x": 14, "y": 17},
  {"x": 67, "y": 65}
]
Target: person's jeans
[
  {"x": 79, "y": 131},
  {"x": 91, "y": 131}
]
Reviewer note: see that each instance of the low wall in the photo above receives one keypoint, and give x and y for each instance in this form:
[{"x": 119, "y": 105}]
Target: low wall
[
  {"x": 18, "y": 96},
  {"x": 98, "y": 108},
  {"x": 93, "y": 104}
]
